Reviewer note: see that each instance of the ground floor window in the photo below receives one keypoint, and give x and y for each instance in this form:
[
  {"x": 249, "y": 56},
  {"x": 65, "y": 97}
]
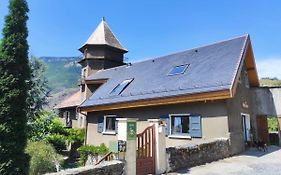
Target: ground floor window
[
  {"x": 66, "y": 115},
  {"x": 179, "y": 124},
  {"x": 182, "y": 125},
  {"x": 110, "y": 124}
]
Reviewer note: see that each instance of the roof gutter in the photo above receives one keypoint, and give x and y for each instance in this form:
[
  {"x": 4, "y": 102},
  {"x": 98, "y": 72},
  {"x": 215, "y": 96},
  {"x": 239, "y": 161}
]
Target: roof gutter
[{"x": 215, "y": 95}]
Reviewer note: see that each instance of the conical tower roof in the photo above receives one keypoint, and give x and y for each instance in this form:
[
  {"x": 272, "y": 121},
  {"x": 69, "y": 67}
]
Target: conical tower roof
[{"x": 103, "y": 36}]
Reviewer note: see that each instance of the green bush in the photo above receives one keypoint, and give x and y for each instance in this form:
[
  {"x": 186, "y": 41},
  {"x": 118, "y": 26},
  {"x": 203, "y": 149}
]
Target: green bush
[
  {"x": 86, "y": 150},
  {"x": 76, "y": 136},
  {"x": 58, "y": 141},
  {"x": 56, "y": 127},
  {"x": 102, "y": 149},
  {"x": 43, "y": 158}
]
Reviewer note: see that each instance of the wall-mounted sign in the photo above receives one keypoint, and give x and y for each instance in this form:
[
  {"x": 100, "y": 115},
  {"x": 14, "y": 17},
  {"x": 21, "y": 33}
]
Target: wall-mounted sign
[
  {"x": 131, "y": 130},
  {"x": 121, "y": 146}
]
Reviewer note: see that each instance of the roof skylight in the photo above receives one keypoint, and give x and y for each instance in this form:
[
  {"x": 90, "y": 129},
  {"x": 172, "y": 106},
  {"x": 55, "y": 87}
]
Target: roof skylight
[
  {"x": 178, "y": 69},
  {"x": 120, "y": 87}
]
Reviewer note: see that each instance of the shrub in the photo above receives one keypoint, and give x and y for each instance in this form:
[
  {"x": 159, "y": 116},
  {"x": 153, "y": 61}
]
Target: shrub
[
  {"x": 58, "y": 141},
  {"x": 102, "y": 149},
  {"x": 56, "y": 127},
  {"x": 43, "y": 158},
  {"x": 86, "y": 150},
  {"x": 76, "y": 137}
]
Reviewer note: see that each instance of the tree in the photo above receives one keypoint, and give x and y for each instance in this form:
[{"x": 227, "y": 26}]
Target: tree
[
  {"x": 39, "y": 89},
  {"x": 14, "y": 79}
]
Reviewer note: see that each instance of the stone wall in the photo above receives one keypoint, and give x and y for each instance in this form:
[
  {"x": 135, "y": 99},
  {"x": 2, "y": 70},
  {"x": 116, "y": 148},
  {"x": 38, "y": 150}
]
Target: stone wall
[
  {"x": 193, "y": 155},
  {"x": 107, "y": 168}
]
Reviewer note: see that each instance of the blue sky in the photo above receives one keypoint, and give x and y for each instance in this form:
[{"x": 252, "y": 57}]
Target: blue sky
[{"x": 153, "y": 28}]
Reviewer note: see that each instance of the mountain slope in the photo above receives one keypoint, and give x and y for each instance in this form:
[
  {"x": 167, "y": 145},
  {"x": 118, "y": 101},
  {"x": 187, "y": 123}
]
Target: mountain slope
[{"x": 62, "y": 72}]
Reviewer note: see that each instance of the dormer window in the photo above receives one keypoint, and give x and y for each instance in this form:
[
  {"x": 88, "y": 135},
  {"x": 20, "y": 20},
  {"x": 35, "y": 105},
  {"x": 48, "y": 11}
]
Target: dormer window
[
  {"x": 178, "y": 69},
  {"x": 120, "y": 87}
]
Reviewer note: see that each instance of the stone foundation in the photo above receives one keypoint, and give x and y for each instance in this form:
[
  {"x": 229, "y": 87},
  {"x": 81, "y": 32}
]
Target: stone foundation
[
  {"x": 107, "y": 168},
  {"x": 193, "y": 155}
]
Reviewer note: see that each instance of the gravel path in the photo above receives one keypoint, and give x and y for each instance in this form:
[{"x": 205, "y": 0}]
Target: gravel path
[{"x": 251, "y": 162}]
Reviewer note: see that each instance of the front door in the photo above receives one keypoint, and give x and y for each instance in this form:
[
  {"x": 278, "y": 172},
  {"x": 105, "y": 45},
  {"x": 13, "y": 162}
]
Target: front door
[{"x": 246, "y": 126}]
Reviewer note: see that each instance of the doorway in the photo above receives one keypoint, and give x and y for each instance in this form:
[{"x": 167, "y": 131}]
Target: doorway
[{"x": 246, "y": 127}]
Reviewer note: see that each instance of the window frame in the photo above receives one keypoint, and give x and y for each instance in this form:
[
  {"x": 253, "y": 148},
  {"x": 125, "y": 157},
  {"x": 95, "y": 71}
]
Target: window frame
[
  {"x": 108, "y": 132},
  {"x": 185, "y": 136},
  {"x": 120, "y": 92},
  {"x": 184, "y": 70}
]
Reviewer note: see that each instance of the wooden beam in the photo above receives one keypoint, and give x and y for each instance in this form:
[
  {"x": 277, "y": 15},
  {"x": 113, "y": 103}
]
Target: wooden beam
[{"x": 216, "y": 95}]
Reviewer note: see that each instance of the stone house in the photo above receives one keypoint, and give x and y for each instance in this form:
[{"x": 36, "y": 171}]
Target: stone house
[{"x": 200, "y": 94}]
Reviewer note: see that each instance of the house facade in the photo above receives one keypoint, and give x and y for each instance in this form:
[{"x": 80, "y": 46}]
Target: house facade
[{"x": 199, "y": 94}]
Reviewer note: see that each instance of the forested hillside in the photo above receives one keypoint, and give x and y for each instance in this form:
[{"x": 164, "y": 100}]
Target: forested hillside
[{"x": 62, "y": 72}]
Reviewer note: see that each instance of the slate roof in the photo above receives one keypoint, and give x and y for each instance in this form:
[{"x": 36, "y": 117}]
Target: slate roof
[
  {"x": 103, "y": 36},
  {"x": 212, "y": 68},
  {"x": 72, "y": 101}
]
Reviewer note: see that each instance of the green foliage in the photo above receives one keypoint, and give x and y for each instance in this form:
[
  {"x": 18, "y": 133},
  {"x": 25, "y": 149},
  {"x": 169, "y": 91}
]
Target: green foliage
[
  {"x": 102, "y": 149},
  {"x": 14, "y": 78},
  {"x": 39, "y": 90},
  {"x": 40, "y": 128},
  {"x": 48, "y": 127},
  {"x": 272, "y": 124},
  {"x": 56, "y": 127},
  {"x": 86, "y": 150},
  {"x": 57, "y": 140},
  {"x": 270, "y": 82},
  {"x": 43, "y": 158},
  {"x": 76, "y": 136}
]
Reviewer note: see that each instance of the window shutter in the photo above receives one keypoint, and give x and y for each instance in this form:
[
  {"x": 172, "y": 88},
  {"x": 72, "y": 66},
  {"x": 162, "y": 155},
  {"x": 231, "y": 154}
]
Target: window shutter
[
  {"x": 166, "y": 120},
  {"x": 100, "y": 124},
  {"x": 195, "y": 129}
]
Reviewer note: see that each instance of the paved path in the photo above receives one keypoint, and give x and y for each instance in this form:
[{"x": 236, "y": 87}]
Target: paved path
[{"x": 251, "y": 162}]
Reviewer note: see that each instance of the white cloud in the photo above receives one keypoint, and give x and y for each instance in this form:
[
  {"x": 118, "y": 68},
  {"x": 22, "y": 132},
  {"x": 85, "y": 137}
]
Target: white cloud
[{"x": 269, "y": 67}]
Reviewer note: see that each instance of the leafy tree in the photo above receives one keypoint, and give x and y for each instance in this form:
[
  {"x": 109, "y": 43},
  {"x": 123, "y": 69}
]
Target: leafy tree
[
  {"x": 39, "y": 89},
  {"x": 47, "y": 126},
  {"x": 14, "y": 78}
]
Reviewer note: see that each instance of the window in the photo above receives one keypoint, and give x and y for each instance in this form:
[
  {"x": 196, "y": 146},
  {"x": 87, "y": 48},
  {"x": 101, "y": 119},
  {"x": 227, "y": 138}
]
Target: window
[
  {"x": 110, "y": 124},
  {"x": 178, "y": 69},
  {"x": 120, "y": 87},
  {"x": 68, "y": 122},
  {"x": 179, "y": 124},
  {"x": 182, "y": 125}
]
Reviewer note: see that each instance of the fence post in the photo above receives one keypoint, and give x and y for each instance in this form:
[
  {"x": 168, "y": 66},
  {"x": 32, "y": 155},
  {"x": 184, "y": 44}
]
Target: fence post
[
  {"x": 160, "y": 146},
  {"x": 127, "y": 128}
]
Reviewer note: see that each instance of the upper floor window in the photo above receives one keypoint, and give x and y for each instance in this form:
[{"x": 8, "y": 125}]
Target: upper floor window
[
  {"x": 66, "y": 116},
  {"x": 120, "y": 87},
  {"x": 178, "y": 69}
]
